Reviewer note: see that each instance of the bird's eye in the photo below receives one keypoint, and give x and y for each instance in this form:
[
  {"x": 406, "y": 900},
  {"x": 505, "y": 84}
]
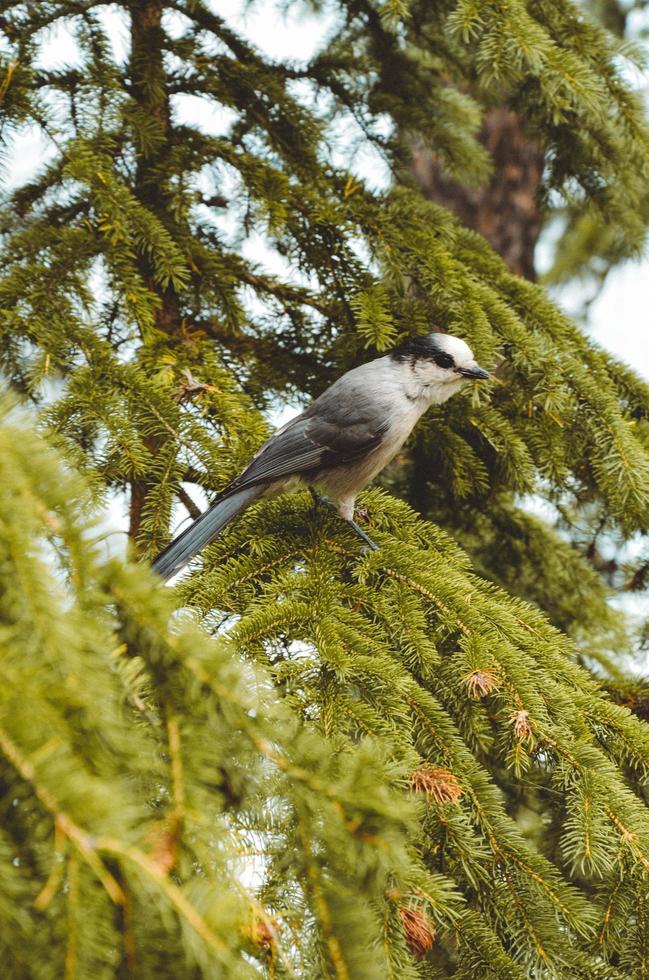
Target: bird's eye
[{"x": 444, "y": 360}]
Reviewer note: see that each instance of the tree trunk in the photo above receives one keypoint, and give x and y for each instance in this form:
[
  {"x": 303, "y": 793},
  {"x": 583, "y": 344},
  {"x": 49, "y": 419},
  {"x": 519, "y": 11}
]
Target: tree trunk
[{"x": 505, "y": 212}]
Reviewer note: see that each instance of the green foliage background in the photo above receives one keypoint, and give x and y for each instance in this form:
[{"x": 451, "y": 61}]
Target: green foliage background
[{"x": 327, "y": 764}]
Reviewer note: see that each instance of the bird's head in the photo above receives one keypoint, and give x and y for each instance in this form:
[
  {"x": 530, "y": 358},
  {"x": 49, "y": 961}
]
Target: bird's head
[{"x": 439, "y": 364}]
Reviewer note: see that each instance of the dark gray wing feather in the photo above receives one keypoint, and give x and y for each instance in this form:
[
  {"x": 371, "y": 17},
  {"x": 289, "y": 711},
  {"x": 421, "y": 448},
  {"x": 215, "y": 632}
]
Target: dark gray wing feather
[{"x": 339, "y": 427}]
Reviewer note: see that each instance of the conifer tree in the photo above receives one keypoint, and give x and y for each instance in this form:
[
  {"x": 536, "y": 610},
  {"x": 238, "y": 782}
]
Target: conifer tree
[{"x": 397, "y": 764}]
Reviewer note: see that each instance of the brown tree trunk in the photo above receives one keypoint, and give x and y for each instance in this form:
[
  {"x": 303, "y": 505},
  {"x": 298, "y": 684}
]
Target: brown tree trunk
[{"x": 505, "y": 212}]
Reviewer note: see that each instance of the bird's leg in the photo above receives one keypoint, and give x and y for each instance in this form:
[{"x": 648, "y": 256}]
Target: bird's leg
[
  {"x": 319, "y": 499},
  {"x": 361, "y": 534}
]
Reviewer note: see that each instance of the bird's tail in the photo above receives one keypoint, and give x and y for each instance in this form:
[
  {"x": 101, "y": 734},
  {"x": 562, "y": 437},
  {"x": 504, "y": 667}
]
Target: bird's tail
[{"x": 204, "y": 529}]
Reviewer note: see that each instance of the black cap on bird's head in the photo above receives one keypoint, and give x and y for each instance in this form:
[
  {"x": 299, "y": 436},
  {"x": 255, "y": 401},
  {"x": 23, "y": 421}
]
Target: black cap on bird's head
[{"x": 448, "y": 353}]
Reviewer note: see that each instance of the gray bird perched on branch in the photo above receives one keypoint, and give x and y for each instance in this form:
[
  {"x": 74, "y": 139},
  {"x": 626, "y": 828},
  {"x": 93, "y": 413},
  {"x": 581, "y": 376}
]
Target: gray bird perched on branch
[{"x": 343, "y": 440}]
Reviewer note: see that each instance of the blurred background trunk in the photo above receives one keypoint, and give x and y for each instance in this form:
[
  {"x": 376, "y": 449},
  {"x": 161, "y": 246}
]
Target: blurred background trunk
[{"x": 506, "y": 211}]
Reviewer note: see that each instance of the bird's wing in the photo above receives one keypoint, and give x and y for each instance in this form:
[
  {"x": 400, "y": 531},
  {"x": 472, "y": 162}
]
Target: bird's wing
[{"x": 325, "y": 436}]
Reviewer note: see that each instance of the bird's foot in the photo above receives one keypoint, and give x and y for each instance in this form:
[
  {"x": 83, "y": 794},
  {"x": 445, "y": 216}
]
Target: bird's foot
[
  {"x": 370, "y": 545},
  {"x": 363, "y": 514},
  {"x": 321, "y": 501}
]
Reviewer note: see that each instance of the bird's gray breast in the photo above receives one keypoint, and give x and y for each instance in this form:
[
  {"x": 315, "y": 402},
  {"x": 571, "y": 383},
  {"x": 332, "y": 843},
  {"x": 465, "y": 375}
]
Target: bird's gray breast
[
  {"x": 346, "y": 477},
  {"x": 372, "y": 414}
]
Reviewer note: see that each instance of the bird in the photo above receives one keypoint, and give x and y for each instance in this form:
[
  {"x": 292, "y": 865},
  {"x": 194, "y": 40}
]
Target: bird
[{"x": 342, "y": 440}]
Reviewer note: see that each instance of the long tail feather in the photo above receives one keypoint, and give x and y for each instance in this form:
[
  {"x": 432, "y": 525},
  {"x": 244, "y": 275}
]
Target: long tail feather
[{"x": 204, "y": 529}]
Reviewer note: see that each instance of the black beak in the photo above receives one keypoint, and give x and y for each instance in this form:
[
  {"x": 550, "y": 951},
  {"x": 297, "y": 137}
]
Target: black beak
[{"x": 477, "y": 373}]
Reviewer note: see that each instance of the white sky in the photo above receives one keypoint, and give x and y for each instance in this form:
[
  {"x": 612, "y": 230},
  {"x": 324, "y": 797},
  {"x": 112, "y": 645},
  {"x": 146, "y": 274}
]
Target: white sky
[{"x": 620, "y": 317}]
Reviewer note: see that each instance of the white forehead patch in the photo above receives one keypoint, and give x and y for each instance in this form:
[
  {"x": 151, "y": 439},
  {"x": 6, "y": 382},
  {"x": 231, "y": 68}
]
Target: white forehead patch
[{"x": 459, "y": 351}]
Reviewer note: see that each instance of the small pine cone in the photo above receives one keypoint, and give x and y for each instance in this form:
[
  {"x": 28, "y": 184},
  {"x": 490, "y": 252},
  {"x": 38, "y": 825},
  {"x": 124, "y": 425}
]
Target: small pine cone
[
  {"x": 262, "y": 932},
  {"x": 440, "y": 784},
  {"x": 480, "y": 683},
  {"x": 164, "y": 839},
  {"x": 522, "y": 725},
  {"x": 419, "y": 930},
  {"x": 165, "y": 852}
]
